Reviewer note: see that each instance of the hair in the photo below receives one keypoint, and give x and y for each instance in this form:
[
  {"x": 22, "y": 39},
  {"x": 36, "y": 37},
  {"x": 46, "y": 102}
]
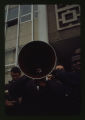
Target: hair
[{"x": 16, "y": 70}]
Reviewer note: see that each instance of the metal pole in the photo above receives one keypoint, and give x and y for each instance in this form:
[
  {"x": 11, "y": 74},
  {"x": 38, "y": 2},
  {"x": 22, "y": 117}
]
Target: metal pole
[
  {"x": 32, "y": 18},
  {"x": 6, "y": 20},
  {"x": 17, "y": 42},
  {"x": 42, "y": 23}
]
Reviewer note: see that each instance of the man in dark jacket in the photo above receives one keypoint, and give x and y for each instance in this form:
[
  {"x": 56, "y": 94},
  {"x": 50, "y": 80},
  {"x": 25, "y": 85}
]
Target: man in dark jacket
[
  {"x": 12, "y": 103},
  {"x": 71, "y": 82},
  {"x": 39, "y": 97}
]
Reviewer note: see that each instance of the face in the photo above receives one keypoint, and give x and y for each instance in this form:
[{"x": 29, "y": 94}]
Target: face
[{"x": 15, "y": 75}]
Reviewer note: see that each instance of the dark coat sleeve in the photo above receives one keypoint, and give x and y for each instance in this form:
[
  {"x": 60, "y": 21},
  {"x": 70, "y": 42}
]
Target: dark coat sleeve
[
  {"x": 70, "y": 78},
  {"x": 16, "y": 89}
]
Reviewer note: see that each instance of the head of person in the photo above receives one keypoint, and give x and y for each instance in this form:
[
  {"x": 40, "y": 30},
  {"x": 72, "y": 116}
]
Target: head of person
[
  {"x": 76, "y": 60},
  {"x": 60, "y": 67},
  {"x": 15, "y": 73}
]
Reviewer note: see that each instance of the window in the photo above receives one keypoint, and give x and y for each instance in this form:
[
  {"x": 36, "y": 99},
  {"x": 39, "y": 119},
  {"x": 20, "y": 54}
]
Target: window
[
  {"x": 25, "y": 18},
  {"x": 12, "y": 22},
  {"x": 25, "y": 13},
  {"x": 12, "y": 18},
  {"x": 12, "y": 13},
  {"x": 25, "y": 9}
]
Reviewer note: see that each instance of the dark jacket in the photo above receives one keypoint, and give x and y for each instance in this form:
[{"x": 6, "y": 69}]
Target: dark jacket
[
  {"x": 71, "y": 82},
  {"x": 46, "y": 101}
]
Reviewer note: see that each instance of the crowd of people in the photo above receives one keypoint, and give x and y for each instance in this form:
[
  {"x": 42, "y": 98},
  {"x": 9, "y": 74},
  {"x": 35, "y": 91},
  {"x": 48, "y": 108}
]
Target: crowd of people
[{"x": 56, "y": 94}]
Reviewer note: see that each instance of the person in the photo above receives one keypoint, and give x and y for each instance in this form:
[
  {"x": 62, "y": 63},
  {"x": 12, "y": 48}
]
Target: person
[
  {"x": 39, "y": 97},
  {"x": 15, "y": 73},
  {"x": 71, "y": 82},
  {"x": 48, "y": 97},
  {"x": 11, "y": 103}
]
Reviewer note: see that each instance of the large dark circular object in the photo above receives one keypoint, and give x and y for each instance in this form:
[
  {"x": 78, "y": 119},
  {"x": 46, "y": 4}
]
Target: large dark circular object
[{"x": 37, "y": 59}]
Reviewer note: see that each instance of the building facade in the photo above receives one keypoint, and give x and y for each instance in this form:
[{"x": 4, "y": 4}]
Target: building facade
[
  {"x": 58, "y": 25},
  {"x": 64, "y": 31}
]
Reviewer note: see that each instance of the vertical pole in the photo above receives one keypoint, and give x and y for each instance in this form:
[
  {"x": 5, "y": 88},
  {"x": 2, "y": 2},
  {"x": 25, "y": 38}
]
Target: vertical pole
[
  {"x": 6, "y": 20},
  {"x": 32, "y": 18},
  {"x": 17, "y": 42},
  {"x": 42, "y": 23}
]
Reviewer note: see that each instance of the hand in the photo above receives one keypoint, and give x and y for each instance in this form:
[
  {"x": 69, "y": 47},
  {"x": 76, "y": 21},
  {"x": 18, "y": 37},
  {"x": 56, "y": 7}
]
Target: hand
[
  {"x": 9, "y": 103},
  {"x": 49, "y": 77}
]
